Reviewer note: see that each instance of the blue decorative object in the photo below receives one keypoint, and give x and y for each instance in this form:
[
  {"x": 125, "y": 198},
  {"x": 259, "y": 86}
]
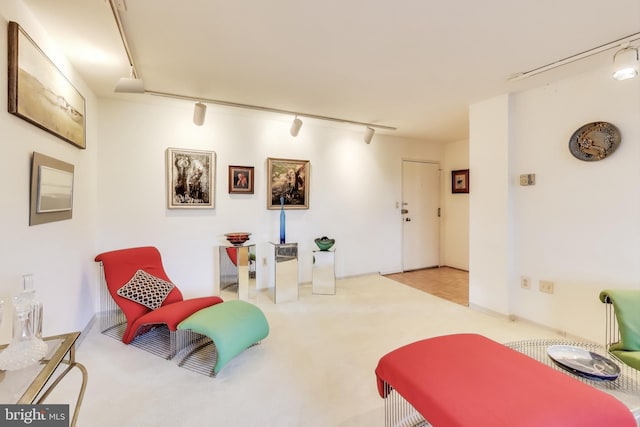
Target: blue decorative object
[{"x": 282, "y": 225}]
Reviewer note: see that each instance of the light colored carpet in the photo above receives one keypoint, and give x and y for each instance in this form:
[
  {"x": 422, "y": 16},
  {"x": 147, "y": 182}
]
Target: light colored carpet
[{"x": 316, "y": 367}]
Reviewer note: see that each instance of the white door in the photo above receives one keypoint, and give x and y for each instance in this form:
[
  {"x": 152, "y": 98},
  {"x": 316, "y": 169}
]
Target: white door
[{"x": 420, "y": 215}]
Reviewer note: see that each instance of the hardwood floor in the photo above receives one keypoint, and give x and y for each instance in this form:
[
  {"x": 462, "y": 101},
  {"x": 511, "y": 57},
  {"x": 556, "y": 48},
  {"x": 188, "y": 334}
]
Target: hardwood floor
[{"x": 444, "y": 282}]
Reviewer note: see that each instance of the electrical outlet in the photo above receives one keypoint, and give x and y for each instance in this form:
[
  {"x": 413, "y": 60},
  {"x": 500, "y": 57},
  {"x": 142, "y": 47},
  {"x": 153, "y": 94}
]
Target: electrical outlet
[
  {"x": 546, "y": 286},
  {"x": 525, "y": 282}
]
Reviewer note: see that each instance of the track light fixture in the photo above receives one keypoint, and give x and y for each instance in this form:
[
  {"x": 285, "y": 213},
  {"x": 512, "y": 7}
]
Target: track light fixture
[
  {"x": 269, "y": 109},
  {"x": 130, "y": 84},
  {"x": 624, "y": 53},
  {"x": 295, "y": 127},
  {"x": 368, "y": 134},
  {"x": 626, "y": 63},
  {"x": 199, "y": 111}
]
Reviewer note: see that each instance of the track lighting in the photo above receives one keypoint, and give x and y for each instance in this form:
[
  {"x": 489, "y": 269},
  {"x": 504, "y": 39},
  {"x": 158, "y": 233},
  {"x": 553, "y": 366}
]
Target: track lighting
[
  {"x": 199, "y": 111},
  {"x": 624, "y": 53},
  {"x": 130, "y": 84},
  {"x": 135, "y": 85},
  {"x": 368, "y": 134},
  {"x": 295, "y": 126},
  {"x": 626, "y": 64}
]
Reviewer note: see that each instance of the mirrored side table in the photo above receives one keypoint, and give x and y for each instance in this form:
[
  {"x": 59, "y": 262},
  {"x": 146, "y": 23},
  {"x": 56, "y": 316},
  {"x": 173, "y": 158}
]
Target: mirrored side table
[
  {"x": 324, "y": 272},
  {"x": 284, "y": 272},
  {"x": 237, "y": 269}
]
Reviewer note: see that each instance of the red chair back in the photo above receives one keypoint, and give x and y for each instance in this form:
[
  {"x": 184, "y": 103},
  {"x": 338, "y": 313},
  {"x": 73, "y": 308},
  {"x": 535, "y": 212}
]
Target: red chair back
[{"x": 119, "y": 267}]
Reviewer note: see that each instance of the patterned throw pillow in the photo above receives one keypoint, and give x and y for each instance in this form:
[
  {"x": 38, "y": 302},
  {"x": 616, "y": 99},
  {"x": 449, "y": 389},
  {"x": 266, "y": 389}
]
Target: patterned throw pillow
[{"x": 146, "y": 289}]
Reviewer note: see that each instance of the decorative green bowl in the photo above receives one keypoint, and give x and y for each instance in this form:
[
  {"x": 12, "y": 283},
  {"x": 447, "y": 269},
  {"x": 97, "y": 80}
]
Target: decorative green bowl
[{"x": 325, "y": 243}]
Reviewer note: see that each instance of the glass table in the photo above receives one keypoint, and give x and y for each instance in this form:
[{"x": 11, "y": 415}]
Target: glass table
[
  {"x": 625, "y": 388},
  {"x": 33, "y": 384}
]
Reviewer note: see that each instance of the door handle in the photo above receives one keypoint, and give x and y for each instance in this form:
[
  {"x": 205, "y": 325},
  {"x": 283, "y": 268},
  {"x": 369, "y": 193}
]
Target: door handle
[
  {"x": 407, "y": 219},
  {"x": 404, "y": 211}
]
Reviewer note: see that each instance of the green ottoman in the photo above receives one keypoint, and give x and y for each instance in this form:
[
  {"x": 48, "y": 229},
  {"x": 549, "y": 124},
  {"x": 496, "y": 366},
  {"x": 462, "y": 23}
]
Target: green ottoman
[{"x": 233, "y": 326}]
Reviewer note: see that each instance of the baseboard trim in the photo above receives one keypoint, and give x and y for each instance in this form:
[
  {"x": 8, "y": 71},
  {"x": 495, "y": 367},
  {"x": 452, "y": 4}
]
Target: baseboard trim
[
  {"x": 514, "y": 318},
  {"x": 490, "y": 312},
  {"x": 85, "y": 330},
  {"x": 456, "y": 268}
]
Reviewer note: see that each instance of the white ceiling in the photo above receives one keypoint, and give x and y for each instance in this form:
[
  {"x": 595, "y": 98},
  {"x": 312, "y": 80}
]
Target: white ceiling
[{"x": 411, "y": 64}]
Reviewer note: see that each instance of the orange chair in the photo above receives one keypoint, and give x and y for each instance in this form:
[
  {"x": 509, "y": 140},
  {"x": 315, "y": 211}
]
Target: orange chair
[{"x": 140, "y": 304}]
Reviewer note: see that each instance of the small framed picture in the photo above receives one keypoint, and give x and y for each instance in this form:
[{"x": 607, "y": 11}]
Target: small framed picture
[
  {"x": 190, "y": 178},
  {"x": 240, "y": 179},
  {"x": 460, "y": 181}
]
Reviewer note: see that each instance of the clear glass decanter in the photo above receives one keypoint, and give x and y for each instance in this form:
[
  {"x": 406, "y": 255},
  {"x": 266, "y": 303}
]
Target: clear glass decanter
[
  {"x": 35, "y": 314},
  {"x": 26, "y": 347}
]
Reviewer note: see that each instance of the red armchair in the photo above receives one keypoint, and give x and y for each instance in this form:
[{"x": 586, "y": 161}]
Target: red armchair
[{"x": 118, "y": 269}]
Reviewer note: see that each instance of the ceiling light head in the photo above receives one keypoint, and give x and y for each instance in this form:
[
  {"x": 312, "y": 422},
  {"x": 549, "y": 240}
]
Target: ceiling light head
[
  {"x": 129, "y": 84},
  {"x": 368, "y": 134},
  {"x": 295, "y": 126},
  {"x": 626, "y": 63},
  {"x": 199, "y": 112}
]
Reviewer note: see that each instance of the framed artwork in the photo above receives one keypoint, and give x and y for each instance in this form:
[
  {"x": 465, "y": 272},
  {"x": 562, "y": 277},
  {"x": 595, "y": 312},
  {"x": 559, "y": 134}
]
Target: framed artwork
[
  {"x": 460, "y": 181},
  {"x": 287, "y": 180},
  {"x": 190, "y": 178},
  {"x": 51, "y": 190},
  {"x": 40, "y": 94},
  {"x": 240, "y": 179}
]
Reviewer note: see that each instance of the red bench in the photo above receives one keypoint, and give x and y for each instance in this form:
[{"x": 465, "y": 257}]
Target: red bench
[{"x": 469, "y": 380}]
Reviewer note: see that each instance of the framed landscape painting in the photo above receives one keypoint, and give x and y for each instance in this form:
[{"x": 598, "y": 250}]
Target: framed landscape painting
[
  {"x": 51, "y": 190},
  {"x": 190, "y": 178},
  {"x": 288, "y": 183},
  {"x": 39, "y": 93}
]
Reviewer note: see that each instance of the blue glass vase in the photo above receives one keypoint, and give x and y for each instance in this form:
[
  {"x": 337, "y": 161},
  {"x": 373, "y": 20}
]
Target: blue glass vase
[{"x": 282, "y": 224}]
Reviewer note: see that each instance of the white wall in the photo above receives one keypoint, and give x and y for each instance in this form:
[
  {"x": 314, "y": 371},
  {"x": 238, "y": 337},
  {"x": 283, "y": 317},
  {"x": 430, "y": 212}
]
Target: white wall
[
  {"x": 489, "y": 204},
  {"x": 578, "y": 226},
  {"x": 59, "y": 254},
  {"x": 455, "y": 211},
  {"x": 354, "y": 188}
]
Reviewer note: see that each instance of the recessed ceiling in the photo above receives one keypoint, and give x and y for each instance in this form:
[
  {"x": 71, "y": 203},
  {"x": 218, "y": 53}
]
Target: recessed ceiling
[{"x": 414, "y": 65}]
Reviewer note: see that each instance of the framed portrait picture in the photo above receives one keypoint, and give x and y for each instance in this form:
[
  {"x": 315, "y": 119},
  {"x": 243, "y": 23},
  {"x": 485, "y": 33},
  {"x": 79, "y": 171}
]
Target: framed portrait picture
[
  {"x": 51, "y": 190},
  {"x": 39, "y": 93},
  {"x": 460, "y": 181},
  {"x": 240, "y": 179},
  {"x": 190, "y": 178},
  {"x": 287, "y": 183}
]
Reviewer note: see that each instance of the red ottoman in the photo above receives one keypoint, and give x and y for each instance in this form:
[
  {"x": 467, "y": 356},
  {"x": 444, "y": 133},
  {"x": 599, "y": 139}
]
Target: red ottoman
[{"x": 469, "y": 380}]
